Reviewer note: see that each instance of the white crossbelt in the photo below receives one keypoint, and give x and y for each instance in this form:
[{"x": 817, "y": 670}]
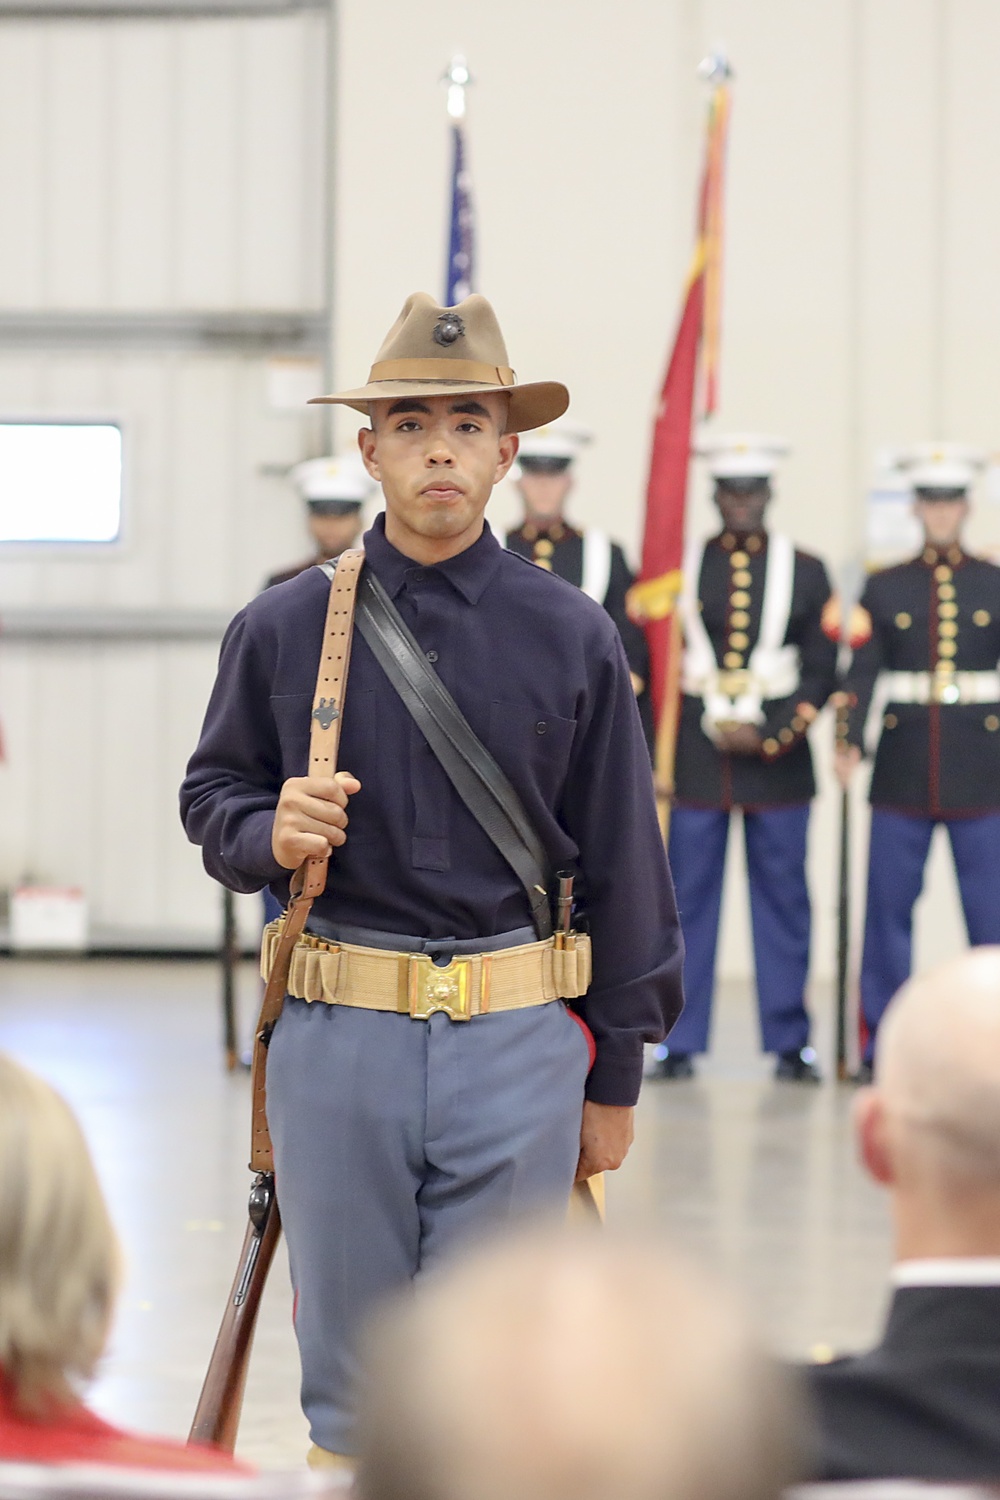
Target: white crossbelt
[
  {"x": 596, "y": 564},
  {"x": 925, "y": 687},
  {"x": 773, "y": 670}
]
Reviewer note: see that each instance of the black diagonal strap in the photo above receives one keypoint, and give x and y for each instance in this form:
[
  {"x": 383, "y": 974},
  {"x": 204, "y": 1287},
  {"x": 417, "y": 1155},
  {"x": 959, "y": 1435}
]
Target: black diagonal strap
[{"x": 467, "y": 763}]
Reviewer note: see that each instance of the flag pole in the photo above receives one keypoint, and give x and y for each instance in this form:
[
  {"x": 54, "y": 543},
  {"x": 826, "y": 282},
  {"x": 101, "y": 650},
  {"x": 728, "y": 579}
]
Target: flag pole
[{"x": 460, "y": 277}]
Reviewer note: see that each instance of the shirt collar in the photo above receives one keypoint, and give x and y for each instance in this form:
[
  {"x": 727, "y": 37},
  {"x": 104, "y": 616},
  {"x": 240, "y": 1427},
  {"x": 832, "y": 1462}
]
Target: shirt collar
[
  {"x": 966, "y": 1270},
  {"x": 469, "y": 572}
]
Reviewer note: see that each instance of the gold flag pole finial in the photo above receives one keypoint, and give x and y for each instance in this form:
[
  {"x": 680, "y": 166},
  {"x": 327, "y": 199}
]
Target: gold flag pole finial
[{"x": 458, "y": 78}]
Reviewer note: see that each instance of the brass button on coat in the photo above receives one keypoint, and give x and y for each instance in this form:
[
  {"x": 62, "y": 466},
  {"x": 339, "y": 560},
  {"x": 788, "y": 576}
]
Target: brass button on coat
[
  {"x": 943, "y": 574},
  {"x": 981, "y": 617},
  {"x": 947, "y": 648},
  {"x": 992, "y": 723},
  {"x": 739, "y": 619},
  {"x": 903, "y": 620},
  {"x": 732, "y": 659},
  {"x": 740, "y": 559},
  {"x": 739, "y": 640},
  {"x": 742, "y": 579},
  {"x": 739, "y": 600},
  {"x": 890, "y": 721}
]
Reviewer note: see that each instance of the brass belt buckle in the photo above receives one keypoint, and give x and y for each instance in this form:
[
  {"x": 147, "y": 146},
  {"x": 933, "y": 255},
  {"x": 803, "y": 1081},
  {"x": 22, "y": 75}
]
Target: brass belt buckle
[
  {"x": 442, "y": 987},
  {"x": 735, "y": 683}
]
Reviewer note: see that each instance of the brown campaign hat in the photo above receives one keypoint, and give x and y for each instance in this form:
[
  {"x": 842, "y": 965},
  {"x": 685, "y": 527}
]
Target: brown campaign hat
[{"x": 449, "y": 351}]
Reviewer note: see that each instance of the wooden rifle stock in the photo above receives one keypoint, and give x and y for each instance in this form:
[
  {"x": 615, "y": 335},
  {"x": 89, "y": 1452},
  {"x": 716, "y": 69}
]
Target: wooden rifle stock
[{"x": 217, "y": 1417}]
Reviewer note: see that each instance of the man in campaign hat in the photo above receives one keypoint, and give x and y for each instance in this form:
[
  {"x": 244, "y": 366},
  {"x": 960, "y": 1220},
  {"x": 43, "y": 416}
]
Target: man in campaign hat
[
  {"x": 589, "y": 559},
  {"x": 403, "y": 1122},
  {"x": 334, "y": 490},
  {"x": 757, "y": 669},
  {"x": 923, "y": 693}
]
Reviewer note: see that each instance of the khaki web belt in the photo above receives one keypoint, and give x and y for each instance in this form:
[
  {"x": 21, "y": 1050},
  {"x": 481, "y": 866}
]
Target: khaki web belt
[{"x": 474, "y": 984}]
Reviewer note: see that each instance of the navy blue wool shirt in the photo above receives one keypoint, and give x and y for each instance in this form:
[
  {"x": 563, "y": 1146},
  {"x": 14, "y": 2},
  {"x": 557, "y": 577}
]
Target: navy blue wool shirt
[{"x": 539, "y": 672}]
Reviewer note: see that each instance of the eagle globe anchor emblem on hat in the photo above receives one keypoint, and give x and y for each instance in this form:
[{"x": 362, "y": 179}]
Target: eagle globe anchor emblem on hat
[{"x": 451, "y": 351}]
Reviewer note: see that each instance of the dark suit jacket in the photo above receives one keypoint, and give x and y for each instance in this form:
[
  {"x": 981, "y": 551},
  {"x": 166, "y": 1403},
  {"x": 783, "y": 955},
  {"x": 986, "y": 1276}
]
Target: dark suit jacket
[{"x": 924, "y": 1404}]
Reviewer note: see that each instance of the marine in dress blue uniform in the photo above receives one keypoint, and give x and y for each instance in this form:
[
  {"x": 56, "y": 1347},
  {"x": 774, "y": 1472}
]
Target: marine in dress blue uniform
[
  {"x": 588, "y": 558},
  {"x": 925, "y": 686},
  {"x": 757, "y": 670},
  {"x": 396, "y": 1137},
  {"x": 334, "y": 490}
]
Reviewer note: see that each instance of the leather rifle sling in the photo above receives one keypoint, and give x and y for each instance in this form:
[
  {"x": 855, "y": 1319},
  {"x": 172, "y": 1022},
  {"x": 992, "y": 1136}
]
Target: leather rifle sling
[{"x": 309, "y": 879}]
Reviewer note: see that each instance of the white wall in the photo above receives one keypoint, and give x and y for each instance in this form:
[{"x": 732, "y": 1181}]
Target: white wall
[
  {"x": 860, "y": 301},
  {"x": 153, "y": 165},
  {"x": 149, "y": 166}
]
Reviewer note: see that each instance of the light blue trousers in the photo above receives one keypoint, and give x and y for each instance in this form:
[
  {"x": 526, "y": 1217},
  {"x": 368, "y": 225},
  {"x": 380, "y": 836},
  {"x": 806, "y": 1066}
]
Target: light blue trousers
[{"x": 394, "y": 1141}]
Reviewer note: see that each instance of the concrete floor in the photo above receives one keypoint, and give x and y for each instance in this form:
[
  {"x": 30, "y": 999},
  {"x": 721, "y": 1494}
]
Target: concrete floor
[{"x": 755, "y": 1178}]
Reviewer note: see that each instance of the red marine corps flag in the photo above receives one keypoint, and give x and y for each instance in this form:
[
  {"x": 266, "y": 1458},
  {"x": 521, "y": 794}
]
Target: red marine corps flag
[{"x": 652, "y": 599}]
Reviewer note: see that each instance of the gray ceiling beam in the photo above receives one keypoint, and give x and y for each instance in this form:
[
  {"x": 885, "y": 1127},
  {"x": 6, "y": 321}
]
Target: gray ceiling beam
[
  {"x": 35, "y": 10},
  {"x": 212, "y": 332},
  {"x": 78, "y": 626}
]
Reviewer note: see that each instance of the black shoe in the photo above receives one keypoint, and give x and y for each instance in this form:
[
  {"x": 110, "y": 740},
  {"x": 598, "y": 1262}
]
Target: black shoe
[
  {"x": 673, "y": 1065},
  {"x": 798, "y": 1067},
  {"x": 864, "y": 1074}
]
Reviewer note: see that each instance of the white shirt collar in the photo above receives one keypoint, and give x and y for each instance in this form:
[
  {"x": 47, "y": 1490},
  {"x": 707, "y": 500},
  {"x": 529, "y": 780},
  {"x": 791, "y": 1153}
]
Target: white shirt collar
[{"x": 969, "y": 1270}]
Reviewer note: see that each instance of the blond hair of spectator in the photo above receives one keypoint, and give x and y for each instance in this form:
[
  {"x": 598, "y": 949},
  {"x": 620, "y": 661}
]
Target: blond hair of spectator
[
  {"x": 59, "y": 1259},
  {"x": 573, "y": 1368}
]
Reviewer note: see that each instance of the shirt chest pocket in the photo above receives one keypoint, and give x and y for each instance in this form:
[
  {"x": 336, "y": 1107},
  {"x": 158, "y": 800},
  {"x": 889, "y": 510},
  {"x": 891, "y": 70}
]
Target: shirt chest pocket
[
  {"x": 292, "y": 713},
  {"x": 528, "y": 742}
]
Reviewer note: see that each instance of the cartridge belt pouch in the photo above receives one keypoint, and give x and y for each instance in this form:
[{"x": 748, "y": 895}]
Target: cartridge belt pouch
[{"x": 412, "y": 984}]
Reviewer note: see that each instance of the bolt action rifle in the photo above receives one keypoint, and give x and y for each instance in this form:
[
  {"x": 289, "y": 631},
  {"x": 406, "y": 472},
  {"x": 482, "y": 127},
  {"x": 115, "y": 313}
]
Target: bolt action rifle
[{"x": 217, "y": 1417}]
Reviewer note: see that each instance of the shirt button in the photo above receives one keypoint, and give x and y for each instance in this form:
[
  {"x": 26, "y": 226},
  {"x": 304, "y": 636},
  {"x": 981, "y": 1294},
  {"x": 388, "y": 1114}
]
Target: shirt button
[
  {"x": 432, "y": 656},
  {"x": 541, "y": 727}
]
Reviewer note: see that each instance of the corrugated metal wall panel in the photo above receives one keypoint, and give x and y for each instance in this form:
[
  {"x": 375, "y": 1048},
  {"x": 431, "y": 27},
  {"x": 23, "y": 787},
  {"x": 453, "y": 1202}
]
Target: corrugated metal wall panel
[
  {"x": 152, "y": 164},
  {"x": 149, "y": 165}
]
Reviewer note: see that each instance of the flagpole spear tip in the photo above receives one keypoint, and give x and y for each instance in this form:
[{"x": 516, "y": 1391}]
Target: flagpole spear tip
[
  {"x": 715, "y": 68},
  {"x": 458, "y": 78}
]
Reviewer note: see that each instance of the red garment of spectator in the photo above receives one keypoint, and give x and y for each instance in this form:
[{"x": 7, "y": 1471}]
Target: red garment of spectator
[{"x": 74, "y": 1434}]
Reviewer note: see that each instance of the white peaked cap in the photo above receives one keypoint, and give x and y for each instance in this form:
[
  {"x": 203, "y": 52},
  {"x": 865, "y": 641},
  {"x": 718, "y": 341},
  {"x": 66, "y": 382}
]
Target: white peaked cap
[
  {"x": 554, "y": 440},
  {"x": 741, "y": 455},
  {"x": 334, "y": 478},
  {"x": 940, "y": 466}
]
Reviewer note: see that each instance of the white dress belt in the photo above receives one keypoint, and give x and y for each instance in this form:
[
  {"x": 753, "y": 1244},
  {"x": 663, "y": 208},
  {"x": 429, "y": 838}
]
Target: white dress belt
[{"x": 926, "y": 687}]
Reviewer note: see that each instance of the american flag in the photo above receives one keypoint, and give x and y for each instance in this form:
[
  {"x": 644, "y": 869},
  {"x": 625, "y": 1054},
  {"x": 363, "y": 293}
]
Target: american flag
[{"x": 460, "y": 279}]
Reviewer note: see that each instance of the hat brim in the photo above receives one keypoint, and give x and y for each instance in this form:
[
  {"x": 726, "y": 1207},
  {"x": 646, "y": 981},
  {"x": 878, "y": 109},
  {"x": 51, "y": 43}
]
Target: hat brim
[{"x": 530, "y": 405}]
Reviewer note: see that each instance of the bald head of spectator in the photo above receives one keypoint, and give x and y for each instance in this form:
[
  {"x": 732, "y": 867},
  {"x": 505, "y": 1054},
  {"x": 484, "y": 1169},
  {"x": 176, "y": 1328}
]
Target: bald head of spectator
[
  {"x": 929, "y": 1128},
  {"x": 565, "y": 1368}
]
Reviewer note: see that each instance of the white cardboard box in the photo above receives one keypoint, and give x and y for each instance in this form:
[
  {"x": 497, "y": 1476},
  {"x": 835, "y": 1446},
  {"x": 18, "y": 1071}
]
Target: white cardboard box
[{"x": 53, "y": 918}]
